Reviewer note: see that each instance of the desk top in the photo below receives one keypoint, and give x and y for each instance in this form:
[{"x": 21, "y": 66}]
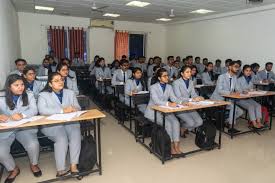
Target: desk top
[
  {"x": 264, "y": 84},
  {"x": 217, "y": 103},
  {"x": 200, "y": 86},
  {"x": 246, "y": 96},
  {"x": 89, "y": 115}
]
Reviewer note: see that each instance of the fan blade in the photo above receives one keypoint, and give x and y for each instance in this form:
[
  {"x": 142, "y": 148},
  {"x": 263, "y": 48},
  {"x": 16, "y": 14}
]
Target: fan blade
[
  {"x": 97, "y": 10},
  {"x": 103, "y": 7}
]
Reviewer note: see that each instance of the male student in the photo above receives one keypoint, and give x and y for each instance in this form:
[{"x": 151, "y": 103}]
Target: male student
[
  {"x": 141, "y": 63},
  {"x": 205, "y": 61},
  {"x": 77, "y": 61},
  {"x": 20, "y": 65},
  {"x": 121, "y": 75},
  {"x": 225, "y": 68},
  {"x": 227, "y": 84},
  {"x": 217, "y": 67},
  {"x": 172, "y": 71},
  {"x": 52, "y": 54},
  {"x": 199, "y": 65},
  {"x": 189, "y": 61},
  {"x": 267, "y": 74}
]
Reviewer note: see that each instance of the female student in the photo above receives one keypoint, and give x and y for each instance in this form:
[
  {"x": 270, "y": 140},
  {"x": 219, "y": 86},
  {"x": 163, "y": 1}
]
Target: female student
[
  {"x": 194, "y": 75},
  {"x": 70, "y": 82},
  {"x": 161, "y": 93},
  {"x": 32, "y": 84},
  {"x": 123, "y": 74},
  {"x": 55, "y": 99},
  {"x": 102, "y": 72},
  {"x": 185, "y": 91},
  {"x": 135, "y": 85},
  {"x": 114, "y": 66},
  {"x": 69, "y": 63},
  {"x": 208, "y": 77},
  {"x": 244, "y": 85},
  {"x": 16, "y": 105}
]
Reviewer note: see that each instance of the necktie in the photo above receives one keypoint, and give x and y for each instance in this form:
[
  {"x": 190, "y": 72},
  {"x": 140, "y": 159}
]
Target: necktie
[
  {"x": 124, "y": 77},
  {"x": 267, "y": 75},
  {"x": 163, "y": 86},
  {"x": 230, "y": 82},
  {"x": 59, "y": 96},
  {"x": 15, "y": 99},
  {"x": 30, "y": 85},
  {"x": 186, "y": 83}
]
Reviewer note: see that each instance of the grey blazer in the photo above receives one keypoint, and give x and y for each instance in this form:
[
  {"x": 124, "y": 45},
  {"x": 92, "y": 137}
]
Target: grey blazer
[
  {"x": 72, "y": 74},
  {"x": 99, "y": 73},
  {"x": 157, "y": 97},
  {"x": 37, "y": 88},
  {"x": 119, "y": 76},
  {"x": 223, "y": 86},
  {"x": 28, "y": 111},
  {"x": 172, "y": 71},
  {"x": 143, "y": 66},
  {"x": 16, "y": 72},
  {"x": 224, "y": 70},
  {"x": 42, "y": 71},
  {"x": 263, "y": 75},
  {"x": 150, "y": 70},
  {"x": 72, "y": 85},
  {"x": 200, "y": 67},
  {"x": 242, "y": 85},
  {"x": 206, "y": 79},
  {"x": 217, "y": 70},
  {"x": 129, "y": 87},
  {"x": 182, "y": 92},
  {"x": 49, "y": 104}
]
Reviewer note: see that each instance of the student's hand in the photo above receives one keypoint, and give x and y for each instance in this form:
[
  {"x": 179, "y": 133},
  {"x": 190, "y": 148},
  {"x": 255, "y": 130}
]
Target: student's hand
[
  {"x": 172, "y": 104},
  {"x": 245, "y": 92},
  {"x": 3, "y": 118},
  {"x": 265, "y": 81},
  {"x": 16, "y": 117},
  {"x": 69, "y": 109},
  {"x": 197, "y": 99}
]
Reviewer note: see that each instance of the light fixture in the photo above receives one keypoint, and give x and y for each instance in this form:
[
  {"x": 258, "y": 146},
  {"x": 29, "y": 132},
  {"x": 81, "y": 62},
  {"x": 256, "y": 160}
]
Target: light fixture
[
  {"x": 138, "y": 4},
  {"x": 111, "y": 15},
  {"x": 164, "y": 19},
  {"x": 202, "y": 11},
  {"x": 44, "y": 8}
]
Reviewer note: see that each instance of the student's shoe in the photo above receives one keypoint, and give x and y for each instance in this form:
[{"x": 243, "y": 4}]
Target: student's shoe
[
  {"x": 11, "y": 180},
  {"x": 63, "y": 174},
  {"x": 233, "y": 130},
  {"x": 38, "y": 173}
]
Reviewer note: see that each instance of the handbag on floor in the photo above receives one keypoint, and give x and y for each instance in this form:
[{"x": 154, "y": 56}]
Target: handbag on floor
[{"x": 205, "y": 136}]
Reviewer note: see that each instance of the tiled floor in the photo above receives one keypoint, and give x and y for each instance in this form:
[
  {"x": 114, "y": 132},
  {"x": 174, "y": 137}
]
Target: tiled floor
[{"x": 247, "y": 158}]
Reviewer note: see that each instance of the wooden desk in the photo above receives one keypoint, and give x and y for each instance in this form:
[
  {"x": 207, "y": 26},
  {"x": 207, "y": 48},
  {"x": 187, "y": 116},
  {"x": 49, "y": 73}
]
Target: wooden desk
[
  {"x": 91, "y": 115},
  {"x": 234, "y": 97},
  {"x": 165, "y": 111}
]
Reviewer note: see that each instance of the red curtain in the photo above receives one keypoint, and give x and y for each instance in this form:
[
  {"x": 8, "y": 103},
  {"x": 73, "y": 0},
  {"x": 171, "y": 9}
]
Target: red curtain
[
  {"x": 121, "y": 44},
  {"x": 76, "y": 37},
  {"x": 58, "y": 41}
]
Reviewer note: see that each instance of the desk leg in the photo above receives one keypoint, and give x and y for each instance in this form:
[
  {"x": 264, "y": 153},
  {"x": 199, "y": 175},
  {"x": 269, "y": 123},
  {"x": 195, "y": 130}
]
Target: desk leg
[
  {"x": 130, "y": 116},
  {"x": 270, "y": 117},
  {"x": 233, "y": 119},
  {"x": 99, "y": 145},
  {"x": 162, "y": 142},
  {"x": 221, "y": 126}
]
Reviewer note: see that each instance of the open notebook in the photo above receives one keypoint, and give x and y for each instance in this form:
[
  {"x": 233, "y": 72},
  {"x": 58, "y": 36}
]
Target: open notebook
[
  {"x": 65, "y": 117},
  {"x": 20, "y": 122}
]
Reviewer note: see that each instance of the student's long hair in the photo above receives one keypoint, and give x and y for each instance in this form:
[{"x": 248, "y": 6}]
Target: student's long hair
[
  {"x": 192, "y": 67},
  {"x": 205, "y": 70},
  {"x": 244, "y": 67},
  {"x": 158, "y": 74},
  {"x": 9, "y": 95},
  {"x": 59, "y": 67},
  {"x": 47, "y": 87},
  {"x": 26, "y": 70},
  {"x": 98, "y": 61}
]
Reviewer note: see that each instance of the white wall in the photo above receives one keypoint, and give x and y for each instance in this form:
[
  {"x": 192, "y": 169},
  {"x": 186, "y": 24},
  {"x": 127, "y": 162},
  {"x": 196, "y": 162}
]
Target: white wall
[
  {"x": 249, "y": 37},
  {"x": 9, "y": 39},
  {"x": 34, "y": 37},
  {"x": 33, "y": 34}
]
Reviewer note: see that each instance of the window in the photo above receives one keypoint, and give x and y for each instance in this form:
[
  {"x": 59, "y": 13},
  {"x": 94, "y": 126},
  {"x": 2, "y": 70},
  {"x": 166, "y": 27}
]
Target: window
[{"x": 136, "y": 45}]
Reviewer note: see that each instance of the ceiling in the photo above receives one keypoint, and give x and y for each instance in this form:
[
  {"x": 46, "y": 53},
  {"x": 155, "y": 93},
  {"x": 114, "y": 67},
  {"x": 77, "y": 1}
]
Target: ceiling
[{"x": 157, "y": 8}]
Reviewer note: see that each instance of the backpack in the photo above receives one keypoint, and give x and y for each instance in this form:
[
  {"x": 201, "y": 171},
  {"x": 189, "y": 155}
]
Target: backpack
[
  {"x": 157, "y": 136},
  {"x": 205, "y": 136},
  {"x": 88, "y": 154}
]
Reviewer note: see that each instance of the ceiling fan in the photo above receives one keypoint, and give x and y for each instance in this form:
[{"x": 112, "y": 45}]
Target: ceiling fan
[
  {"x": 98, "y": 9},
  {"x": 171, "y": 14}
]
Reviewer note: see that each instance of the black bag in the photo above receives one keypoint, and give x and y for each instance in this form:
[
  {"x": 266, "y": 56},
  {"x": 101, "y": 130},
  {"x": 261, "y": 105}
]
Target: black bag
[
  {"x": 205, "y": 136},
  {"x": 88, "y": 154},
  {"x": 158, "y": 135}
]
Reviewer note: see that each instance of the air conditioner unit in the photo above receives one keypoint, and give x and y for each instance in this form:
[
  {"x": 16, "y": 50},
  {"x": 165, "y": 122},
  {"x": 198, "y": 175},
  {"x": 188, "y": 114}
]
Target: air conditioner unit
[{"x": 108, "y": 24}]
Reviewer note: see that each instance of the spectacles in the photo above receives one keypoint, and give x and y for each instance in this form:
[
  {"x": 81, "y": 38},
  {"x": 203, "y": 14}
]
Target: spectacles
[
  {"x": 165, "y": 76},
  {"x": 56, "y": 81}
]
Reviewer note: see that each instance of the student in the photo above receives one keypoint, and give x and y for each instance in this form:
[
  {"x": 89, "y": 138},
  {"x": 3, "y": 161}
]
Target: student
[
  {"x": 172, "y": 71},
  {"x": 185, "y": 91},
  {"x": 152, "y": 80},
  {"x": 161, "y": 93},
  {"x": 52, "y": 55},
  {"x": 45, "y": 68},
  {"x": 114, "y": 66},
  {"x": 217, "y": 67},
  {"x": 32, "y": 85},
  {"x": 226, "y": 84},
  {"x": 69, "y": 63},
  {"x": 55, "y": 99},
  {"x": 77, "y": 60},
  {"x": 177, "y": 66},
  {"x": 208, "y": 77},
  {"x": 225, "y": 68},
  {"x": 135, "y": 85},
  {"x": 255, "y": 69},
  {"x": 267, "y": 74},
  {"x": 205, "y": 61},
  {"x": 92, "y": 65},
  {"x": 133, "y": 60},
  {"x": 240, "y": 70},
  {"x": 244, "y": 85},
  {"x": 102, "y": 72},
  {"x": 69, "y": 82},
  {"x": 183, "y": 62},
  {"x": 123, "y": 57},
  {"x": 157, "y": 62},
  {"x": 150, "y": 62},
  {"x": 20, "y": 65},
  {"x": 53, "y": 64},
  {"x": 16, "y": 105},
  {"x": 199, "y": 65},
  {"x": 194, "y": 75},
  {"x": 141, "y": 64},
  {"x": 189, "y": 60},
  {"x": 123, "y": 74}
]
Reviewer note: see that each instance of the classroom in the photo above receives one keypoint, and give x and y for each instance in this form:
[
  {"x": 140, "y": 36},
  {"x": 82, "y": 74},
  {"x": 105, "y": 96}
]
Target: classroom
[{"x": 127, "y": 91}]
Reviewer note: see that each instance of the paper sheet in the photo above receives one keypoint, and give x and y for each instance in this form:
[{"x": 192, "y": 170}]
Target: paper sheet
[
  {"x": 65, "y": 117},
  {"x": 20, "y": 122},
  {"x": 257, "y": 92},
  {"x": 205, "y": 102},
  {"x": 142, "y": 92},
  {"x": 178, "y": 107}
]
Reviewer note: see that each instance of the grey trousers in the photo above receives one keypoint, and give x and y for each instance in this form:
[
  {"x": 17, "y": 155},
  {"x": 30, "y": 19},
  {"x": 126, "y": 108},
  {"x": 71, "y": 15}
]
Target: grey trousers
[
  {"x": 191, "y": 119},
  {"x": 172, "y": 126},
  {"x": 28, "y": 138},
  {"x": 254, "y": 109},
  {"x": 65, "y": 136},
  {"x": 238, "y": 113}
]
